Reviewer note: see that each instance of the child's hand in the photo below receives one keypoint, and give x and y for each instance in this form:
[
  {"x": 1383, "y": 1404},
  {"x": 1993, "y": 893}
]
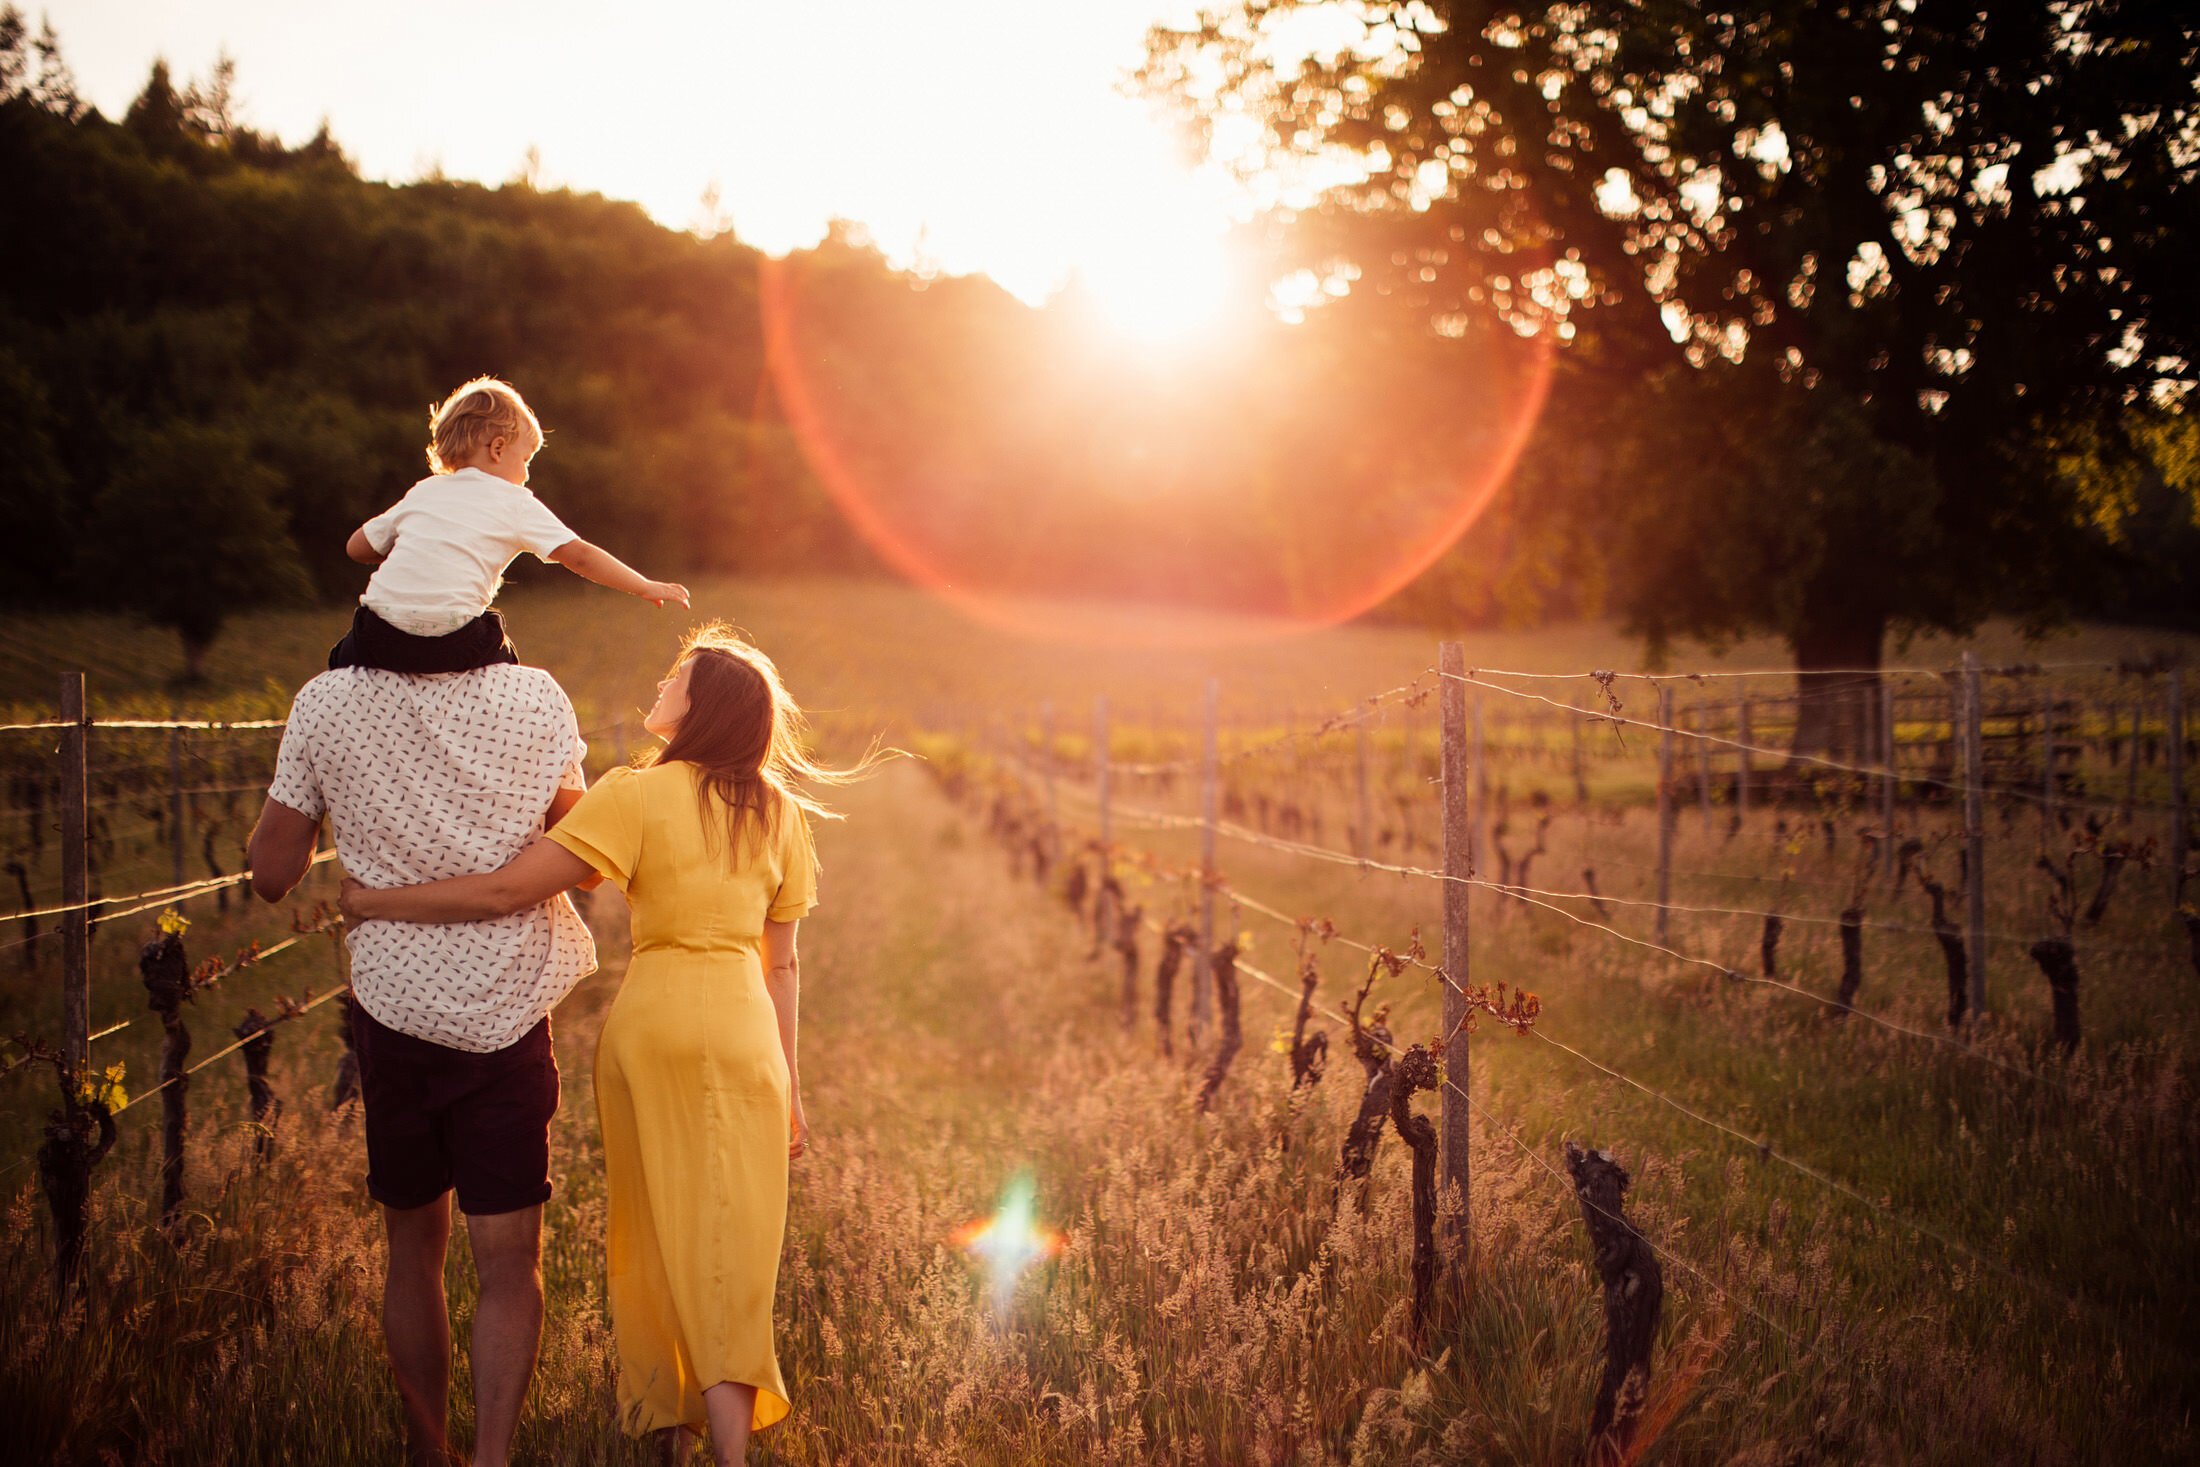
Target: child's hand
[{"x": 663, "y": 591}]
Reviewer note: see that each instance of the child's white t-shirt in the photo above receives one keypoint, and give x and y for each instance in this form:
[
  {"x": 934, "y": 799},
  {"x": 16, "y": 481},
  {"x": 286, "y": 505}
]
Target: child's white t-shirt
[{"x": 448, "y": 542}]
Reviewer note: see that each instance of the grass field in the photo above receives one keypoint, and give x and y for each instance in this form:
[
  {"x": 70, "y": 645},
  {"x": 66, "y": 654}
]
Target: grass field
[{"x": 1996, "y": 1262}]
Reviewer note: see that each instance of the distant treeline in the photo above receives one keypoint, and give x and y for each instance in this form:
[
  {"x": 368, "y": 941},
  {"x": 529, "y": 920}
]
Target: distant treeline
[{"x": 217, "y": 352}]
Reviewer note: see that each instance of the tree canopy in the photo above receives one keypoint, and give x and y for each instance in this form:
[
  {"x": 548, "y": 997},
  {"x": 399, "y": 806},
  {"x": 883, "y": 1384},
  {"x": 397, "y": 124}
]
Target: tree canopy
[
  {"x": 1837, "y": 321},
  {"x": 1842, "y": 285}
]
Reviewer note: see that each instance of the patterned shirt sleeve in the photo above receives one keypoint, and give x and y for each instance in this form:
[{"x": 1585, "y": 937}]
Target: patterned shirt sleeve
[
  {"x": 576, "y": 772},
  {"x": 605, "y": 828},
  {"x": 295, "y": 784}
]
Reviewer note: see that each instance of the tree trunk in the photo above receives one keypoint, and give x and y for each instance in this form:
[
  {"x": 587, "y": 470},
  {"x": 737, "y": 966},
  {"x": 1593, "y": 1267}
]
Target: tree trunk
[{"x": 1837, "y": 661}]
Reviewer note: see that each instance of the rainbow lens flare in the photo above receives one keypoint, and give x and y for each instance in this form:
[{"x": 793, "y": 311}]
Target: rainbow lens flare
[{"x": 1011, "y": 1240}]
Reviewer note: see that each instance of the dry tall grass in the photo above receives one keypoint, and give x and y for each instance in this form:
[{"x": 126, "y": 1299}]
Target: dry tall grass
[{"x": 1207, "y": 1306}]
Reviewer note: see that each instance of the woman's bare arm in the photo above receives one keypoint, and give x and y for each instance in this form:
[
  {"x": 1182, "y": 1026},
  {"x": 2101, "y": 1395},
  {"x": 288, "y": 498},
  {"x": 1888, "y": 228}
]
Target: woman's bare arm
[
  {"x": 529, "y": 879},
  {"x": 783, "y": 981}
]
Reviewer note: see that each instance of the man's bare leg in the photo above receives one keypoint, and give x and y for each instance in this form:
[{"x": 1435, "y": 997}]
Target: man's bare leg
[
  {"x": 507, "y": 1325},
  {"x": 731, "y": 1406},
  {"x": 416, "y": 1325}
]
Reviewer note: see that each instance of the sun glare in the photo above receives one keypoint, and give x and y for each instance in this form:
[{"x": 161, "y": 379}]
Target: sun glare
[{"x": 1155, "y": 284}]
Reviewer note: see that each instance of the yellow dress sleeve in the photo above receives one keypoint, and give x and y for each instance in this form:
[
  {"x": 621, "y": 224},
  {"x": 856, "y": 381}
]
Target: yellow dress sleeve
[
  {"x": 605, "y": 828},
  {"x": 797, "y": 892}
]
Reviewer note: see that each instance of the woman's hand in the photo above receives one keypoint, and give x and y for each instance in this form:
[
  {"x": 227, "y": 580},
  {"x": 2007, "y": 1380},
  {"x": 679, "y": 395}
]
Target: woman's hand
[
  {"x": 349, "y": 901},
  {"x": 798, "y": 1129}
]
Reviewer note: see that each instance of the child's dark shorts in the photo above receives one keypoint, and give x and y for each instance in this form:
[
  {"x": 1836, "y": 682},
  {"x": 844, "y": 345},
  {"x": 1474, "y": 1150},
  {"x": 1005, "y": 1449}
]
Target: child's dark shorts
[
  {"x": 373, "y": 642},
  {"x": 439, "y": 1118}
]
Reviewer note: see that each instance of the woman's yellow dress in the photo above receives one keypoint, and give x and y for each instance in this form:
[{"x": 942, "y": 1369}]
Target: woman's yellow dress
[{"x": 691, "y": 1091}]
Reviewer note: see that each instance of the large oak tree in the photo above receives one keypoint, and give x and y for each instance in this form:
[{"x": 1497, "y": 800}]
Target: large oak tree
[{"x": 1841, "y": 283}]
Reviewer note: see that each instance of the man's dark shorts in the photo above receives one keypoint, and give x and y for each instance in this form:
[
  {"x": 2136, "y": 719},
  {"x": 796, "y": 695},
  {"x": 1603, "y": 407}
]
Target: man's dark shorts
[{"x": 439, "y": 1118}]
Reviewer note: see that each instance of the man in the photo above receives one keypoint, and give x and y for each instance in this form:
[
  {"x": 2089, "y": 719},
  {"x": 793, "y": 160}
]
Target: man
[{"x": 427, "y": 776}]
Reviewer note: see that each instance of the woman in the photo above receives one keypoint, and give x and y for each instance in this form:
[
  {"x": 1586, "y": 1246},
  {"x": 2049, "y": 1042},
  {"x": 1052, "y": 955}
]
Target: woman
[{"x": 697, "y": 1089}]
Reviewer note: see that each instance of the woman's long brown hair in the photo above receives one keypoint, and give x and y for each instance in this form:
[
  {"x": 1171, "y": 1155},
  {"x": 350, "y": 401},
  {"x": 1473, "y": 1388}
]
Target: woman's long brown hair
[{"x": 746, "y": 737}]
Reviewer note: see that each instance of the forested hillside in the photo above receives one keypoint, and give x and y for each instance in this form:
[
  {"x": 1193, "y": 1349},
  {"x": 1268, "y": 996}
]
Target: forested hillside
[{"x": 216, "y": 351}]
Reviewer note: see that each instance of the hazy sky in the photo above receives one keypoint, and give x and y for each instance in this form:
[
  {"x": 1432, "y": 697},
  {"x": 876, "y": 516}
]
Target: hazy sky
[{"x": 986, "y": 135}]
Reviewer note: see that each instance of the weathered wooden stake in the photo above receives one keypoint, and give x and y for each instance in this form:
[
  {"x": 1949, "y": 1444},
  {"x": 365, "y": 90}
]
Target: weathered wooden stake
[
  {"x": 1887, "y": 779},
  {"x": 1665, "y": 812},
  {"x": 1479, "y": 800},
  {"x": 1458, "y": 913},
  {"x": 1634, "y": 1293},
  {"x": 1974, "y": 831},
  {"x": 76, "y": 922}
]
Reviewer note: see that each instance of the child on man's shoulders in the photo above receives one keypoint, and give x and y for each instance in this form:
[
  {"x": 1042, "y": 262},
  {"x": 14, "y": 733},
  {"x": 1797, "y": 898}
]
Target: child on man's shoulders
[{"x": 440, "y": 552}]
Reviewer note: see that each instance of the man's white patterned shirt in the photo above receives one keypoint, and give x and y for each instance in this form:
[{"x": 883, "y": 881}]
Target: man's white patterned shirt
[{"x": 428, "y": 776}]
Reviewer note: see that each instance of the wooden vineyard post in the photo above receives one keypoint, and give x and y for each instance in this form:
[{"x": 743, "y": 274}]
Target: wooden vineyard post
[
  {"x": 76, "y": 1136},
  {"x": 2175, "y": 738},
  {"x": 1887, "y": 779},
  {"x": 1210, "y": 794},
  {"x": 1458, "y": 862},
  {"x": 1364, "y": 846},
  {"x": 175, "y": 804},
  {"x": 76, "y": 922},
  {"x": 1744, "y": 737},
  {"x": 1665, "y": 810},
  {"x": 1481, "y": 787},
  {"x": 1974, "y": 831}
]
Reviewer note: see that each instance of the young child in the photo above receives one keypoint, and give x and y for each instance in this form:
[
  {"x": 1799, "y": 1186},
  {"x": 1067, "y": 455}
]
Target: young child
[{"x": 440, "y": 552}]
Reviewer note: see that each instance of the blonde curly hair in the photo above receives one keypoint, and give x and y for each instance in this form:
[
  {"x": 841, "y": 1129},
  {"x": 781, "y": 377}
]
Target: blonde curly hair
[{"x": 471, "y": 417}]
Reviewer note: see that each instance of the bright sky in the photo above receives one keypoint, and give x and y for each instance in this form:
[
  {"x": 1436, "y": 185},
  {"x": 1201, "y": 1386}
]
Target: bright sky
[{"x": 968, "y": 135}]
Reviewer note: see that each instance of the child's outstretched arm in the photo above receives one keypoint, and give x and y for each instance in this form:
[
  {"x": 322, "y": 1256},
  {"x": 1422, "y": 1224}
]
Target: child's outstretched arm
[{"x": 594, "y": 563}]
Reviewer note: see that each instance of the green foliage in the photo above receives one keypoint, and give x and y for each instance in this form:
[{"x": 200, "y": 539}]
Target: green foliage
[
  {"x": 187, "y": 532},
  {"x": 1768, "y": 233},
  {"x": 183, "y": 270}
]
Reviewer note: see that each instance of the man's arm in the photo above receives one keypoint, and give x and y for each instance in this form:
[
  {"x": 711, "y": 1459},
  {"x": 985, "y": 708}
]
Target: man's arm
[
  {"x": 594, "y": 563},
  {"x": 280, "y": 850}
]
